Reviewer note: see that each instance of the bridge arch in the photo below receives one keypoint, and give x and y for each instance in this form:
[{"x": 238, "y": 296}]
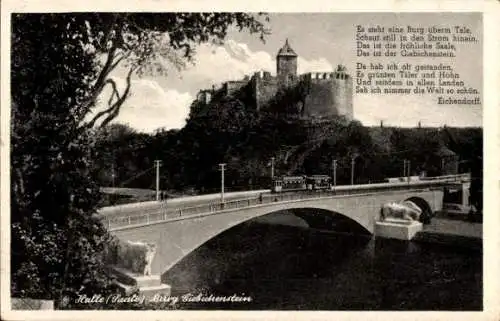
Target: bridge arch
[
  {"x": 321, "y": 211},
  {"x": 314, "y": 218},
  {"x": 424, "y": 206},
  {"x": 318, "y": 218}
]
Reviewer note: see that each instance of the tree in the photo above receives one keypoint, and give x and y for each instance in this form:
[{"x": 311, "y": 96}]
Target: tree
[
  {"x": 56, "y": 242},
  {"x": 61, "y": 64}
]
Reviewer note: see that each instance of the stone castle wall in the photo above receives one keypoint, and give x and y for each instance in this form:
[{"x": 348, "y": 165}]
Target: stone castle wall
[
  {"x": 230, "y": 87},
  {"x": 319, "y": 99},
  {"x": 319, "y": 94},
  {"x": 325, "y": 94},
  {"x": 264, "y": 88},
  {"x": 342, "y": 97}
]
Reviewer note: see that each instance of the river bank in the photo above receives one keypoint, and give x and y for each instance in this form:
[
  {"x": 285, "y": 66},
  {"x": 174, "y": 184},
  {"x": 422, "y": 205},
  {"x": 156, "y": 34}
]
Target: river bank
[{"x": 452, "y": 232}]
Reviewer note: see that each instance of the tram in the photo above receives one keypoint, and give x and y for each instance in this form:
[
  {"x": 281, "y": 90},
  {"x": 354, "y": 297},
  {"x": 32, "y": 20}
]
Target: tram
[
  {"x": 289, "y": 183},
  {"x": 319, "y": 182},
  {"x": 301, "y": 183}
]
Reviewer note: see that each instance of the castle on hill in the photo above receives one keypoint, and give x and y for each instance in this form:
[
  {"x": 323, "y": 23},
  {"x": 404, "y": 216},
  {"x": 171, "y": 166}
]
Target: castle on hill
[{"x": 322, "y": 93}]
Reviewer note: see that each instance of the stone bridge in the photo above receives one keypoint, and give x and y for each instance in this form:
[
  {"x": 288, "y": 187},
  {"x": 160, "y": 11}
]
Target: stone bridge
[{"x": 177, "y": 232}]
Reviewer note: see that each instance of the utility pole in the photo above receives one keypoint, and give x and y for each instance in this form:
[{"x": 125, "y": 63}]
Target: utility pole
[
  {"x": 272, "y": 167},
  {"x": 222, "y": 166},
  {"x": 404, "y": 167},
  {"x": 352, "y": 169},
  {"x": 157, "y": 164},
  {"x": 334, "y": 173},
  {"x": 408, "y": 169}
]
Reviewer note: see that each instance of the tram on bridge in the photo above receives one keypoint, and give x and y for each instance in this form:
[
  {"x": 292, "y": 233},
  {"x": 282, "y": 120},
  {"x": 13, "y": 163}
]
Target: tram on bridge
[
  {"x": 301, "y": 183},
  {"x": 324, "y": 182}
]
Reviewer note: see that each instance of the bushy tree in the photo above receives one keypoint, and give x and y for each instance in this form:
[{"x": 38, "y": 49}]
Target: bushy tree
[
  {"x": 61, "y": 66},
  {"x": 56, "y": 242}
]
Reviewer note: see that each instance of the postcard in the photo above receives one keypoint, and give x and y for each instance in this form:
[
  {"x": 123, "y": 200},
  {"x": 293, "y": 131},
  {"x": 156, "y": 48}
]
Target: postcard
[{"x": 179, "y": 160}]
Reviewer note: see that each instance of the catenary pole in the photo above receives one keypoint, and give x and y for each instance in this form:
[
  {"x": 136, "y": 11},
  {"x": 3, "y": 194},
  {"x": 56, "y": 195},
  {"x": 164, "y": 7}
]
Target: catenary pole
[
  {"x": 272, "y": 167},
  {"x": 158, "y": 164},
  {"x": 222, "y": 167}
]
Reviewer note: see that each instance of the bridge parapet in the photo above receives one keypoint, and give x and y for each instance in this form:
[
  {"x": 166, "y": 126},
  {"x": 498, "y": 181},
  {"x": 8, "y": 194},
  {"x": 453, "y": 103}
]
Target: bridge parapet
[
  {"x": 465, "y": 177},
  {"x": 165, "y": 214}
]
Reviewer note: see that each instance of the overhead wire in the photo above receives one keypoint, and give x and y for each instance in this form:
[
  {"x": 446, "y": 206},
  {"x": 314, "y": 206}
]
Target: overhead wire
[{"x": 135, "y": 176}]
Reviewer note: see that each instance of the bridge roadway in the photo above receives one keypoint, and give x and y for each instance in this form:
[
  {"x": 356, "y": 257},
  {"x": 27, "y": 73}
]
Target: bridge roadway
[
  {"x": 187, "y": 204},
  {"x": 179, "y": 231}
]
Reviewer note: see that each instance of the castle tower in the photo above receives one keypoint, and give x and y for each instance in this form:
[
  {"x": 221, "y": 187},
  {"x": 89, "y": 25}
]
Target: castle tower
[
  {"x": 286, "y": 66},
  {"x": 342, "y": 92}
]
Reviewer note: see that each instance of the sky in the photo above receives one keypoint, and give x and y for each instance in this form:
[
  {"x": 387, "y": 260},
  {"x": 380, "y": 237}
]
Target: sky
[{"x": 322, "y": 41}]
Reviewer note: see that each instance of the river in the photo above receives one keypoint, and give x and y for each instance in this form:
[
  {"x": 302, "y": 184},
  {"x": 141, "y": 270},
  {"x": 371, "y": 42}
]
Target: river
[{"x": 298, "y": 268}]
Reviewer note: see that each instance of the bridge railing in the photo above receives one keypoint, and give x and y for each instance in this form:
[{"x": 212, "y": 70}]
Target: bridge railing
[
  {"x": 164, "y": 213},
  {"x": 449, "y": 178}
]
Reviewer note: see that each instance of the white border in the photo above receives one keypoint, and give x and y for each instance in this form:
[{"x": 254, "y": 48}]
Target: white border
[{"x": 491, "y": 121}]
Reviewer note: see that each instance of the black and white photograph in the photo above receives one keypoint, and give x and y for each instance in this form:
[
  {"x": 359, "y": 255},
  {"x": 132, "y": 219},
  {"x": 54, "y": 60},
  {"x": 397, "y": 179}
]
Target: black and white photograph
[{"x": 244, "y": 161}]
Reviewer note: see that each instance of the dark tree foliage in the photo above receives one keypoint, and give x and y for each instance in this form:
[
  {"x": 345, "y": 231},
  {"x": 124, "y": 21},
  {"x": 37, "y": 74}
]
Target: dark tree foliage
[
  {"x": 120, "y": 150},
  {"x": 61, "y": 65},
  {"x": 231, "y": 132},
  {"x": 289, "y": 101},
  {"x": 56, "y": 242}
]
